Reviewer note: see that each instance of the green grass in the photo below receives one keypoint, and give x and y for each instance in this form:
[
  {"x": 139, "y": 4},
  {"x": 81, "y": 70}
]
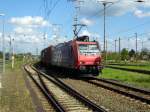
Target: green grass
[
  {"x": 136, "y": 79},
  {"x": 17, "y": 64},
  {"x": 14, "y": 95},
  {"x": 145, "y": 67},
  {"x": 139, "y": 67},
  {"x": 132, "y": 63}
]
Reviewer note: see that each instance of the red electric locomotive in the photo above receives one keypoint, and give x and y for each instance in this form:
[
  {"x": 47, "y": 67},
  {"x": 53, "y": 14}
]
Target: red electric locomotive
[{"x": 78, "y": 56}]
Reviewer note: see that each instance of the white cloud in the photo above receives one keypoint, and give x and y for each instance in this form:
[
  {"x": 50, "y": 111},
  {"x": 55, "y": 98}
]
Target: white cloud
[
  {"x": 28, "y": 25},
  {"x": 29, "y": 21},
  {"x": 24, "y": 43},
  {"x": 86, "y": 21},
  {"x": 85, "y": 32},
  {"x": 141, "y": 14},
  {"x": 94, "y": 8},
  {"x": 146, "y": 3},
  {"x": 93, "y": 36},
  {"x": 21, "y": 30},
  {"x": 26, "y": 33},
  {"x": 24, "y": 39},
  {"x": 55, "y": 39}
]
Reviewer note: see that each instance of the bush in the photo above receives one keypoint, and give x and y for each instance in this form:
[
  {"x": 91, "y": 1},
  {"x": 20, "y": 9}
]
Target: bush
[{"x": 124, "y": 54}]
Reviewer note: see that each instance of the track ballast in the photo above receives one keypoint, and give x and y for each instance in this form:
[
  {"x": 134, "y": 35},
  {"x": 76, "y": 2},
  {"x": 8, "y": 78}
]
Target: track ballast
[{"x": 62, "y": 97}]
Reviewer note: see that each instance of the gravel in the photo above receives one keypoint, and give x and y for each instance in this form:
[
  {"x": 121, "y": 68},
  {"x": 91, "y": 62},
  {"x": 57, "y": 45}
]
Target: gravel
[{"x": 106, "y": 98}]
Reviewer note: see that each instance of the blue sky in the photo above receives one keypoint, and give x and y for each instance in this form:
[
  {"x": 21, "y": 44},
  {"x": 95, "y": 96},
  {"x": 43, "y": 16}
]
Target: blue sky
[{"x": 26, "y": 22}]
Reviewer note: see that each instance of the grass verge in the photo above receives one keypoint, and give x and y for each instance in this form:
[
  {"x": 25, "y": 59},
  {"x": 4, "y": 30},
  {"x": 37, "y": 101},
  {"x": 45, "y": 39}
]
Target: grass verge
[
  {"x": 146, "y": 67},
  {"x": 136, "y": 79},
  {"x": 14, "y": 95}
]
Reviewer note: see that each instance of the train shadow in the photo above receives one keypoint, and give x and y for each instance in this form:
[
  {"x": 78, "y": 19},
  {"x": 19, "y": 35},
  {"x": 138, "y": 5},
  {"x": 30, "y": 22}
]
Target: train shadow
[{"x": 61, "y": 72}]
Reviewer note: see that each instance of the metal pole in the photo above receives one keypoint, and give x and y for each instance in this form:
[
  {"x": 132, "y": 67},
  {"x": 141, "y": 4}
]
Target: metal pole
[
  {"x": 37, "y": 51},
  {"x": 10, "y": 49},
  {"x": 115, "y": 45},
  {"x": 136, "y": 42},
  {"x": 13, "y": 57},
  {"x": 106, "y": 53},
  {"x": 3, "y": 37},
  {"x": 136, "y": 45},
  {"x": 44, "y": 38},
  {"x": 115, "y": 50},
  {"x": 119, "y": 50},
  {"x": 104, "y": 4},
  {"x": 104, "y": 31},
  {"x": 142, "y": 44},
  {"x": 128, "y": 43},
  {"x": 119, "y": 46}
]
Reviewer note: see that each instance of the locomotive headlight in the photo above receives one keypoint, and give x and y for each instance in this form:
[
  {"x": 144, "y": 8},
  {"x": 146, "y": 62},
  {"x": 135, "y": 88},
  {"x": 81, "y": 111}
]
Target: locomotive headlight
[{"x": 81, "y": 62}]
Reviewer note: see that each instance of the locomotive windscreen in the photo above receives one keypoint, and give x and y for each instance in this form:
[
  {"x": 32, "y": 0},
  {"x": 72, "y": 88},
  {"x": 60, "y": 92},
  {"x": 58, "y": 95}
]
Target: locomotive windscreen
[{"x": 89, "y": 49}]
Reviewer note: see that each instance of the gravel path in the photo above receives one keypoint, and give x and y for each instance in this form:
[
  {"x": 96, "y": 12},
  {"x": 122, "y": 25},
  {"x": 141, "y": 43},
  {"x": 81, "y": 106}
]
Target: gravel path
[
  {"x": 15, "y": 96},
  {"x": 109, "y": 99}
]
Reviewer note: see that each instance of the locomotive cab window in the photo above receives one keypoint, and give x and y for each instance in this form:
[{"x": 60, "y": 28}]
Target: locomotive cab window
[{"x": 88, "y": 49}]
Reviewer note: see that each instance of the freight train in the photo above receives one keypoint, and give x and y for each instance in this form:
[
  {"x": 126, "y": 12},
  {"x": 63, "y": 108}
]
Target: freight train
[{"x": 78, "y": 56}]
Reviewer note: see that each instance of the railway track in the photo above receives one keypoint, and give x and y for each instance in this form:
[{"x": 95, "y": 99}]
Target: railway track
[
  {"x": 37, "y": 80},
  {"x": 61, "y": 96},
  {"x": 129, "y": 69},
  {"x": 129, "y": 91}
]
